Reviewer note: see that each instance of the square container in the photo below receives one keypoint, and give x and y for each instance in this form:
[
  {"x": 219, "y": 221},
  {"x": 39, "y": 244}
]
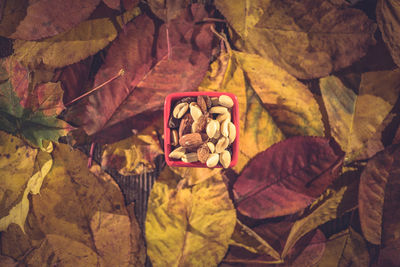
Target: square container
[{"x": 170, "y": 100}]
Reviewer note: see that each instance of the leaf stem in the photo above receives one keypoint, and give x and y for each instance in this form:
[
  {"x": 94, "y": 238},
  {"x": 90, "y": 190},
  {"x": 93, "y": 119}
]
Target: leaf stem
[
  {"x": 120, "y": 73},
  {"x": 91, "y": 155}
]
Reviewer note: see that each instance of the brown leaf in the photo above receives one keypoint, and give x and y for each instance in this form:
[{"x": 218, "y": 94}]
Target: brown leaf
[
  {"x": 148, "y": 77},
  {"x": 309, "y": 39},
  {"x": 45, "y": 18},
  {"x": 168, "y": 9},
  {"x": 287, "y": 177},
  {"x": 379, "y": 196},
  {"x": 388, "y": 17}
]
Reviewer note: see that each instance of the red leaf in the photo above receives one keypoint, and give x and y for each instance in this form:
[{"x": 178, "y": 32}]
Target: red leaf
[
  {"x": 286, "y": 177},
  {"x": 149, "y": 74},
  {"x": 45, "y": 18},
  {"x": 19, "y": 77}
]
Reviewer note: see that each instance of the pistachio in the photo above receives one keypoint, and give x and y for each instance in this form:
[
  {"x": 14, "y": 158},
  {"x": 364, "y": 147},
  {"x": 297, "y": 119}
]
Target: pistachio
[
  {"x": 220, "y": 118},
  {"x": 225, "y": 101},
  {"x": 212, "y": 160},
  {"x": 177, "y": 153},
  {"x": 224, "y": 128},
  {"x": 225, "y": 158},
  {"x": 174, "y": 137},
  {"x": 195, "y": 111},
  {"x": 189, "y": 157},
  {"x": 212, "y": 128},
  {"x": 211, "y": 147},
  {"x": 218, "y": 110},
  {"x": 192, "y": 140},
  {"x": 232, "y": 132},
  {"x": 222, "y": 144},
  {"x": 180, "y": 110},
  {"x": 202, "y": 153}
]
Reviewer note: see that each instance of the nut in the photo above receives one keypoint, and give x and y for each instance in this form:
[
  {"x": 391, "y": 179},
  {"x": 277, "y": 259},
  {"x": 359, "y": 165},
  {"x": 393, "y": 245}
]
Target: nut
[
  {"x": 232, "y": 132},
  {"x": 224, "y": 128},
  {"x": 188, "y": 99},
  {"x": 218, "y": 110},
  {"x": 177, "y": 153},
  {"x": 211, "y": 147},
  {"x": 212, "y": 128},
  {"x": 225, "y": 158},
  {"x": 225, "y": 101},
  {"x": 192, "y": 140},
  {"x": 174, "y": 137},
  {"x": 217, "y": 134},
  {"x": 212, "y": 160},
  {"x": 202, "y": 153},
  {"x": 222, "y": 143},
  {"x": 185, "y": 126},
  {"x": 199, "y": 125},
  {"x": 201, "y": 101},
  {"x": 195, "y": 111},
  {"x": 214, "y": 101},
  {"x": 190, "y": 157},
  {"x": 223, "y": 117},
  {"x": 173, "y": 123},
  {"x": 180, "y": 110}
]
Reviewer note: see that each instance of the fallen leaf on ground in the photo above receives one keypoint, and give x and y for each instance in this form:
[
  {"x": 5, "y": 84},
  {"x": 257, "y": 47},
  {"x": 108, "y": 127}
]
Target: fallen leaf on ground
[
  {"x": 346, "y": 248},
  {"x": 69, "y": 47},
  {"x": 46, "y": 18},
  {"x": 135, "y": 154},
  {"x": 188, "y": 226},
  {"x": 309, "y": 39},
  {"x": 388, "y": 17},
  {"x": 379, "y": 196},
  {"x": 168, "y": 10},
  {"x": 149, "y": 75},
  {"x": 355, "y": 117},
  {"x": 287, "y": 177}
]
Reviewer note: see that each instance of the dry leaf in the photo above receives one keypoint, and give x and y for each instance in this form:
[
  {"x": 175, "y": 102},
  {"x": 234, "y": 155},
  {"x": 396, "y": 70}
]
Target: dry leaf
[
  {"x": 188, "y": 226},
  {"x": 388, "y": 17},
  {"x": 168, "y": 9},
  {"x": 69, "y": 47},
  {"x": 354, "y": 118},
  {"x": 309, "y": 38}
]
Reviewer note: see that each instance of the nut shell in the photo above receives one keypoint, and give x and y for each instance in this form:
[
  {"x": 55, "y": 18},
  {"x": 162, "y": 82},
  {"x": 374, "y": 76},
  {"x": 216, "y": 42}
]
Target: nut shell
[{"x": 192, "y": 140}]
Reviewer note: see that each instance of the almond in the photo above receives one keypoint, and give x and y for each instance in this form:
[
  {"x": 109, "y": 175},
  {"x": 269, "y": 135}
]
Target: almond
[{"x": 192, "y": 140}]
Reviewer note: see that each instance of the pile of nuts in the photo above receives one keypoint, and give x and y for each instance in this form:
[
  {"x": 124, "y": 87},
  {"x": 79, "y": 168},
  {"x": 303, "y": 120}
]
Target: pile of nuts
[{"x": 201, "y": 130}]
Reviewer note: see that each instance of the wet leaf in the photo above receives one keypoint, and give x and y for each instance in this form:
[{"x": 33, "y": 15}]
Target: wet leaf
[
  {"x": 188, "y": 226},
  {"x": 79, "y": 216},
  {"x": 148, "y": 77},
  {"x": 287, "y": 177},
  {"x": 388, "y": 17},
  {"x": 354, "y": 118},
  {"x": 69, "y": 47},
  {"x": 135, "y": 154},
  {"x": 46, "y": 18},
  {"x": 379, "y": 196},
  {"x": 17, "y": 164},
  {"x": 309, "y": 39},
  {"x": 327, "y": 208},
  {"x": 346, "y": 248},
  {"x": 36, "y": 120}
]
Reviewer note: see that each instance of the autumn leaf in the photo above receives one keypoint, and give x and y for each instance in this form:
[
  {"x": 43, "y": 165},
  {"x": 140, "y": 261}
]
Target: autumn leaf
[
  {"x": 168, "y": 9},
  {"x": 287, "y": 177},
  {"x": 78, "y": 218},
  {"x": 388, "y": 17},
  {"x": 309, "y": 39},
  {"x": 69, "y": 47},
  {"x": 135, "y": 154},
  {"x": 149, "y": 75},
  {"x": 45, "y": 18},
  {"x": 17, "y": 165},
  {"x": 346, "y": 248},
  {"x": 290, "y": 106},
  {"x": 13, "y": 12},
  {"x": 378, "y": 197},
  {"x": 35, "y": 119},
  {"x": 354, "y": 118},
  {"x": 188, "y": 226}
]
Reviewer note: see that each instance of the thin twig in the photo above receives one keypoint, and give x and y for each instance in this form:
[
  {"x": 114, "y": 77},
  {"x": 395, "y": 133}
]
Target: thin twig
[{"x": 120, "y": 73}]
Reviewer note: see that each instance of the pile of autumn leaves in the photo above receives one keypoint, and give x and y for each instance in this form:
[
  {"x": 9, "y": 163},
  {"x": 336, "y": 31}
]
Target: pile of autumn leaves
[{"x": 318, "y": 102}]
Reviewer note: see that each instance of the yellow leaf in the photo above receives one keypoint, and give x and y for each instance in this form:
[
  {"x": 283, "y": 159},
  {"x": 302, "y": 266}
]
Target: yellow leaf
[
  {"x": 355, "y": 118},
  {"x": 134, "y": 154},
  {"x": 346, "y": 248},
  {"x": 188, "y": 226},
  {"x": 69, "y": 47}
]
